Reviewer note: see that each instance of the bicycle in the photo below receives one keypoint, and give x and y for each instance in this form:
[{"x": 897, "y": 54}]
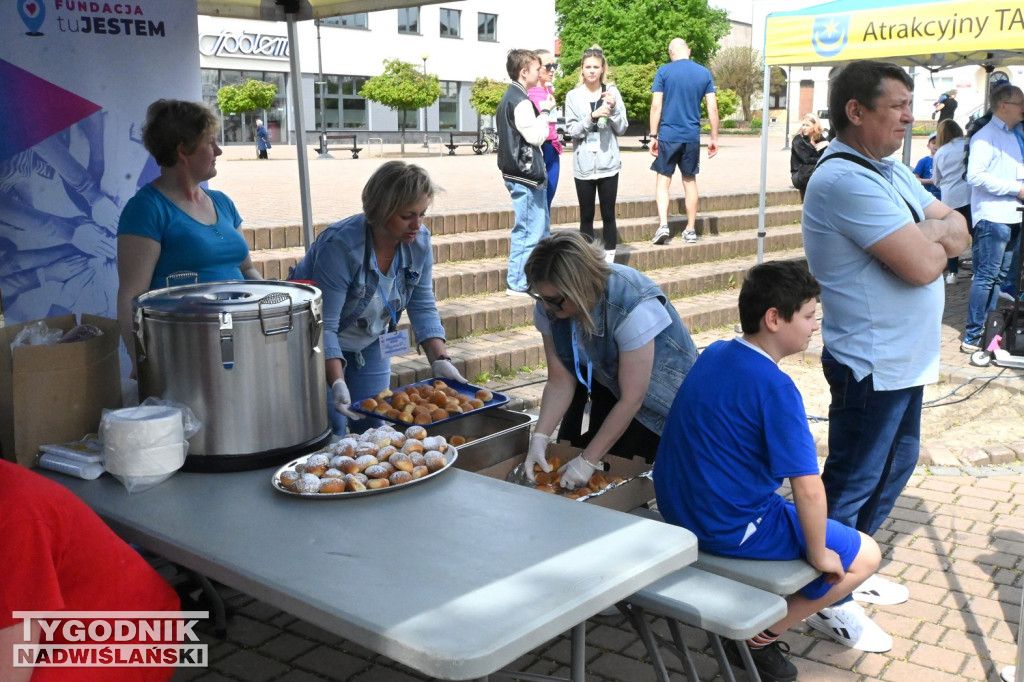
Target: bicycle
[{"x": 487, "y": 143}]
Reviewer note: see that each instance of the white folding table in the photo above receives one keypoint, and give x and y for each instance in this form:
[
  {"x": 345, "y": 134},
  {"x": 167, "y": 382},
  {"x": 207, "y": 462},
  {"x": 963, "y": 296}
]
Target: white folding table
[{"x": 456, "y": 576}]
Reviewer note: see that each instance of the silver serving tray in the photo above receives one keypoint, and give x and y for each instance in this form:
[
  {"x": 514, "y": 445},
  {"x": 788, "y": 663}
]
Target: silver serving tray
[{"x": 451, "y": 455}]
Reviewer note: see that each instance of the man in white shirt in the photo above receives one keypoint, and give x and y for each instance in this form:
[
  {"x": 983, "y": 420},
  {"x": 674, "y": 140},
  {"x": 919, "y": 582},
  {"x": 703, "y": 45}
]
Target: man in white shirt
[{"x": 995, "y": 171}]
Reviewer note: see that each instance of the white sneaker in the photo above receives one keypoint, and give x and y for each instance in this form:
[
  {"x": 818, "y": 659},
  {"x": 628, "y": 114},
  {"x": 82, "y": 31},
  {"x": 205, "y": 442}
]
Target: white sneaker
[
  {"x": 1005, "y": 296},
  {"x": 515, "y": 292},
  {"x": 609, "y": 256},
  {"x": 690, "y": 237},
  {"x": 662, "y": 235},
  {"x": 849, "y": 625},
  {"x": 878, "y": 590},
  {"x": 951, "y": 278}
]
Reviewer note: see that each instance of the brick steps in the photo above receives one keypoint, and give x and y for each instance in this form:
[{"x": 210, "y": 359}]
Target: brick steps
[{"x": 492, "y": 334}]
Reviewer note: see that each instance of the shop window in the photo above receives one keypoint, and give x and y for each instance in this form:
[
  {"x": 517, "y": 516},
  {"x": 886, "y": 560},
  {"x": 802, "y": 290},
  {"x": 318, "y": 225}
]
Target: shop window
[
  {"x": 448, "y": 106},
  {"x": 357, "y": 20}
]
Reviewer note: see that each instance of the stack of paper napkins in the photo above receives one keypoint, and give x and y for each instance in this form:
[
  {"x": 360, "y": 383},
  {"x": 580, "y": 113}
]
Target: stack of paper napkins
[{"x": 143, "y": 445}]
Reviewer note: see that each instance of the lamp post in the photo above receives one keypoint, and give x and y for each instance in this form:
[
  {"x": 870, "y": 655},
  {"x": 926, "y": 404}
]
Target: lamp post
[
  {"x": 322, "y": 84},
  {"x": 789, "y": 74},
  {"x": 425, "y": 57}
]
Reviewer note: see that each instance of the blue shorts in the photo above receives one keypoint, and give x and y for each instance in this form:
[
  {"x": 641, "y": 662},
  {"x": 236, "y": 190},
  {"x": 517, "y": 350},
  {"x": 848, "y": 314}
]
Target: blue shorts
[
  {"x": 684, "y": 155},
  {"x": 781, "y": 538}
]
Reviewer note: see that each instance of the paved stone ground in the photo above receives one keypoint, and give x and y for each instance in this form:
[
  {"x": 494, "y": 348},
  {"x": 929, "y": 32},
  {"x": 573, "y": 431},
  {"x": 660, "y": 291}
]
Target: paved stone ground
[{"x": 956, "y": 536}]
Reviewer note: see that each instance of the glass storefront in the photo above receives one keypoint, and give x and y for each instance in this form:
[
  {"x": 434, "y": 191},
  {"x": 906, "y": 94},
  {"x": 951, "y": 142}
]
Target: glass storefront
[{"x": 241, "y": 128}]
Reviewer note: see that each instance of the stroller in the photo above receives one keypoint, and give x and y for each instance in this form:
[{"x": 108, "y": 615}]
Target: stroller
[{"x": 1002, "y": 342}]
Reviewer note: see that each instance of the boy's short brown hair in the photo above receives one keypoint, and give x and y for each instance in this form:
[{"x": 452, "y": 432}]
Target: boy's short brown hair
[{"x": 518, "y": 60}]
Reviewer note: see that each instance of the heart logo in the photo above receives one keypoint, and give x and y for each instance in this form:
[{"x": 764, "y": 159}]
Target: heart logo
[{"x": 31, "y": 8}]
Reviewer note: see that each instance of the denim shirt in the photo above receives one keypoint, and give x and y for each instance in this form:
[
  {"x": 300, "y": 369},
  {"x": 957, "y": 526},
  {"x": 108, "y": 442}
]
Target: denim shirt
[
  {"x": 340, "y": 263},
  {"x": 674, "y": 351}
]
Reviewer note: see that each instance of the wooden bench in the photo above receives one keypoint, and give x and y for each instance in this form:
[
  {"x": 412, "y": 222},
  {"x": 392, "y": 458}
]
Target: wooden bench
[
  {"x": 478, "y": 144},
  {"x": 329, "y": 136}
]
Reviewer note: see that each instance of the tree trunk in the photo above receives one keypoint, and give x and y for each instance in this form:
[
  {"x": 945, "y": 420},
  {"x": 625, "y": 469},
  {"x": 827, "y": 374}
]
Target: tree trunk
[{"x": 401, "y": 127}]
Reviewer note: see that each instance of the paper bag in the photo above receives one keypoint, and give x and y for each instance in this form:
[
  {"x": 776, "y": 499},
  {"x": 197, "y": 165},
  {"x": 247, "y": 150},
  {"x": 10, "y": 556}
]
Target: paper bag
[{"x": 56, "y": 394}]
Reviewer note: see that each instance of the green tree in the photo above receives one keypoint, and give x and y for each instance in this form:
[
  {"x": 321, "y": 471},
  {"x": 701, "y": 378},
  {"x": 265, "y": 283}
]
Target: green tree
[
  {"x": 739, "y": 69},
  {"x": 485, "y": 95},
  {"x": 727, "y": 100},
  {"x": 634, "y": 82},
  {"x": 247, "y": 96},
  {"x": 402, "y": 86},
  {"x": 638, "y": 31}
]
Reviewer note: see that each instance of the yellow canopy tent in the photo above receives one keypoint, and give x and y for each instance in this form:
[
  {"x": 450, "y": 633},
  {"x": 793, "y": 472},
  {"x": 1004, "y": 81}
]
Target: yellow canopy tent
[
  {"x": 293, "y": 11},
  {"x": 931, "y": 34}
]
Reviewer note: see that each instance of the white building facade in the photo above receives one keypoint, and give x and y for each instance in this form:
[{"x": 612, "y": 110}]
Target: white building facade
[{"x": 458, "y": 41}]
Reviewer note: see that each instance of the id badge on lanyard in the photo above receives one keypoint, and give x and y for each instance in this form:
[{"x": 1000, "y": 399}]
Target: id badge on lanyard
[
  {"x": 588, "y": 382},
  {"x": 394, "y": 341}
]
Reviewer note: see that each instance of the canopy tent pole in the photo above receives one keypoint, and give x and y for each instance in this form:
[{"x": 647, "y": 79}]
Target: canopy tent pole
[
  {"x": 763, "y": 193},
  {"x": 300, "y": 130}
]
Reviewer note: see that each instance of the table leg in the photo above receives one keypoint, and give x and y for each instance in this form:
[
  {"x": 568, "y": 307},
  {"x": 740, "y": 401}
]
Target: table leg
[{"x": 579, "y": 653}]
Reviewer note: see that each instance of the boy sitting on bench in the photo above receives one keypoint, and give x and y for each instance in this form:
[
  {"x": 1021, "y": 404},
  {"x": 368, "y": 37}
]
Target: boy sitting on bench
[{"x": 736, "y": 429}]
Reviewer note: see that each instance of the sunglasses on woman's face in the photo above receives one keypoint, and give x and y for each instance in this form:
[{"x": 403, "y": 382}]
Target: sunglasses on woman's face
[
  {"x": 550, "y": 67},
  {"x": 554, "y": 302}
]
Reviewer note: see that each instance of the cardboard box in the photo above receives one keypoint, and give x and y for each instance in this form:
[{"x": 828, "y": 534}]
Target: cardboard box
[
  {"x": 625, "y": 497},
  {"x": 56, "y": 394}
]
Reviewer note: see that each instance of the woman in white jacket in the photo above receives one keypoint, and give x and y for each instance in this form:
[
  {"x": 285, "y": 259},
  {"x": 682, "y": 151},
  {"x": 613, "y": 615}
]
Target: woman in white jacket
[{"x": 595, "y": 117}]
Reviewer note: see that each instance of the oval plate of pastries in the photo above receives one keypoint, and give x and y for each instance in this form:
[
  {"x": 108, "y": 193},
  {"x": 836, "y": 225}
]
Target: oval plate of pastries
[
  {"x": 429, "y": 402},
  {"x": 376, "y": 461}
]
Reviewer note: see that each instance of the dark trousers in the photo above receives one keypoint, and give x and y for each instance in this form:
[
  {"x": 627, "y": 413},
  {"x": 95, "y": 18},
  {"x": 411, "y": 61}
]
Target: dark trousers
[
  {"x": 637, "y": 439},
  {"x": 607, "y": 189}
]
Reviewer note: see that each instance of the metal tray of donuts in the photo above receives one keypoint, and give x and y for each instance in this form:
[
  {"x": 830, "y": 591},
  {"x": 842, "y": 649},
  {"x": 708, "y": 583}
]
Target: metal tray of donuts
[
  {"x": 451, "y": 454},
  {"x": 468, "y": 390}
]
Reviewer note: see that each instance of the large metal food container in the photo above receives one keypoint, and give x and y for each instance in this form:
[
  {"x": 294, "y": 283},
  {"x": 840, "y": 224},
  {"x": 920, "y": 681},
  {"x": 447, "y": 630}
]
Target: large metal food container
[
  {"x": 493, "y": 435},
  {"x": 247, "y": 358}
]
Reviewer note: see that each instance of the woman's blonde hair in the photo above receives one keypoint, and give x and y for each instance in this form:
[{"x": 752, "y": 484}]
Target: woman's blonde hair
[
  {"x": 594, "y": 51},
  {"x": 568, "y": 261},
  {"x": 948, "y": 130},
  {"x": 393, "y": 187},
  {"x": 817, "y": 132}
]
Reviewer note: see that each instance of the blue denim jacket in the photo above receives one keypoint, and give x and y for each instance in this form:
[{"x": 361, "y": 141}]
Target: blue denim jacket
[
  {"x": 674, "y": 350},
  {"x": 340, "y": 263}
]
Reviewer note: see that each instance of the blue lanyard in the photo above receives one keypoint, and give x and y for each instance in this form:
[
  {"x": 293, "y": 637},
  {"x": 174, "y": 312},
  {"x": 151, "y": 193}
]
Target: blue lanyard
[
  {"x": 576, "y": 362},
  {"x": 387, "y": 306}
]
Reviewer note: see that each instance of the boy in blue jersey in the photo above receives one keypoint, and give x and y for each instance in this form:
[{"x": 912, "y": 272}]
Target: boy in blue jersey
[{"x": 736, "y": 430}]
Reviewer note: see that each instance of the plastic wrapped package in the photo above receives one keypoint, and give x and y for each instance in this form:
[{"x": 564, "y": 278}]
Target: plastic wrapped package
[{"x": 143, "y": 446}]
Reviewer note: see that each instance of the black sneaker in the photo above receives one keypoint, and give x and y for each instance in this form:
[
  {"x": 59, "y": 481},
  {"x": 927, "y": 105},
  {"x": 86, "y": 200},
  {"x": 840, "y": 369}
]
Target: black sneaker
[{"x": 770, "y": 661}]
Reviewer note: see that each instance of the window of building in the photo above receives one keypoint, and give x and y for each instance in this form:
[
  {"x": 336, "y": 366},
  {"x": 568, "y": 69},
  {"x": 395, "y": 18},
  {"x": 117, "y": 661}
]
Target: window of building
[
  {"x": 409, "y": 20},
  {"x": 448, "y": 106},
  {"x": 451, "y": 23},
  {"x": 409, "y": 119},
  {"x": 343, "y": 107},
  {"x": 357, "y": 20},
  {"x": 240, "y": 128},
  {"x": 487, "y": 27}
]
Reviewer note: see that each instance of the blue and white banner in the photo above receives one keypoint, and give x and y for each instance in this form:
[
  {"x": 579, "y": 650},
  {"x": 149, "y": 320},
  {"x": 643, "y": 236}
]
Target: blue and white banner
[{"x": 76, "y": 77}]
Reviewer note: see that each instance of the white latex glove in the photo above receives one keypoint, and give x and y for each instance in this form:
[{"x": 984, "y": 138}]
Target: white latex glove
[
  {"x": 578, "y": 472},
  {"x": 444, "y": 369},
  {"x": 342, "y": 399},
  {"x": 536, "y": 455}
]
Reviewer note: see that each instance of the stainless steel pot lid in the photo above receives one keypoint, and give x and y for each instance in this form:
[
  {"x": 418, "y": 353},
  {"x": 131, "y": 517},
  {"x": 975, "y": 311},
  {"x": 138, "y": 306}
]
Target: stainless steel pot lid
[{"x": 240, "y": 298}]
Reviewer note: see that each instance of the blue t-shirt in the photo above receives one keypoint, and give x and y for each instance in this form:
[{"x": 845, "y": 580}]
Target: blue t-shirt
[
  {"x": 684, "y": 84},
  {"x": 214, "y": 251},
  {"x": 736, "y": 430},
  {"x": 923, "y": 170}
]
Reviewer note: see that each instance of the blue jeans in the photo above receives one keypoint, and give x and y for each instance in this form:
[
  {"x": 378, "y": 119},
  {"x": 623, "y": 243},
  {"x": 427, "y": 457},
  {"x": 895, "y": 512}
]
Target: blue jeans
[
  {"x": 874, "y": 439},
  {"x": 553, "y": 162},
  {"x": 533, "y": 223},
  {"x": 365, "y": 381},
  {"x": 992, "y": 254}
]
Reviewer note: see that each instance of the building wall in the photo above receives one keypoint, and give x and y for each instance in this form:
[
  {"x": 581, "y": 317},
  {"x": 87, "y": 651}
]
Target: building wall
[{"x": 361, "y": 51}]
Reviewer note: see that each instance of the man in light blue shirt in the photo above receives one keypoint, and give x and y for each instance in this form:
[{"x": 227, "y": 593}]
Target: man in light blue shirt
[
  {"x": 995, "y": 171},
  {"x": 877, "y": 242}
]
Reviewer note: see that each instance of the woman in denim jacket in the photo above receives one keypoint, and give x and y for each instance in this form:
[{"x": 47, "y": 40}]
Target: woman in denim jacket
[
  {"x": 611, "y": 327},
  {"x": 372, "y": 267}
]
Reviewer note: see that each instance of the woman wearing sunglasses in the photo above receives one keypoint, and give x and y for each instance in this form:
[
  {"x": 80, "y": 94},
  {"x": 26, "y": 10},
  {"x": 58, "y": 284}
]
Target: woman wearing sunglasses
[
  {"x": 616, "y": 353},
  {"x": 552, "y": 146},
  {"x": 595, "y": 118}
]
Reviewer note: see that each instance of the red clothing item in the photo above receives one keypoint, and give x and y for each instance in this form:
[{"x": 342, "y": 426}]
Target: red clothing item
[{"x": 58, "y": 555}]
